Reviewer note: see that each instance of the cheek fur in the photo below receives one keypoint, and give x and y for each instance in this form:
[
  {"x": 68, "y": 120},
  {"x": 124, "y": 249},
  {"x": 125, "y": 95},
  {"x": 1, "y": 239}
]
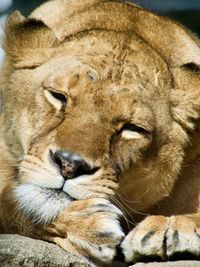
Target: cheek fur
[
  {"x": 39, "y": 172},
  {"x": 39, "y": 204}
]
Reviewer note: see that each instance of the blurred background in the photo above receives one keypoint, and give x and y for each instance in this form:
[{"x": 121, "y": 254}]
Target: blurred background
[{"x": 185, "y": 11}]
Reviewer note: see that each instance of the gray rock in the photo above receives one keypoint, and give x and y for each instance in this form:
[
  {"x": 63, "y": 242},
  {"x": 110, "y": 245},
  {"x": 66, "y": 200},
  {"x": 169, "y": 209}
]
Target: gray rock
[
  {"x": 22, "y": 251},
  {"x": 170, "y": 264}
]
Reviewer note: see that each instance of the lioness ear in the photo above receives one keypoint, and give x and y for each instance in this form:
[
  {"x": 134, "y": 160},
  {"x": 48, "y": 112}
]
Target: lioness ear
[
  {"x": 177, "y": 45},
  {"x": 28, "y": 42}
]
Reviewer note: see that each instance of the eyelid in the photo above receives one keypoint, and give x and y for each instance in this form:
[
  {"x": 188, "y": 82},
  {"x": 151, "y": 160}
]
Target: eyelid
[
  {"x": 135, "y": 128},
  {"x": 126, "y": 134}
]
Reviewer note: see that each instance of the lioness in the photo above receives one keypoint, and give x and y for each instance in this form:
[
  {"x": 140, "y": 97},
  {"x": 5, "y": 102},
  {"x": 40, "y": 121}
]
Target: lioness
[{"x": 100, "y": 119}]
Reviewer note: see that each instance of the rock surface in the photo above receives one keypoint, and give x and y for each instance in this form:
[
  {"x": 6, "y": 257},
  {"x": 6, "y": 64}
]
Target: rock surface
[
  {"x": 23, "y": 251},
  {"x": 170, "y": 264}
]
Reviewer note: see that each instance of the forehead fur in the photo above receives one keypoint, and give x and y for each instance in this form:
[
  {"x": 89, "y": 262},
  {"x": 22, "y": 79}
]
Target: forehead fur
[
  {"x": 86, "y": 15},
  {"x": 119, "y": 58},
  {"x": 58, "y": 20}
]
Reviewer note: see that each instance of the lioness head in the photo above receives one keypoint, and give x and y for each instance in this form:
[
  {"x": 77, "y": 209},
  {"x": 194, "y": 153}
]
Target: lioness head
[{"x": 104, "y": 103}]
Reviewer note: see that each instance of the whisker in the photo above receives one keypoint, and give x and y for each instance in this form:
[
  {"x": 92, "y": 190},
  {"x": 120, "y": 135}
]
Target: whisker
[
  {"x": 128, "y": 222},
  {"x": 33, "y": 159},
  {"x": 131, "y": 209},
  {"x": 133, "y": 201},
  {"x": 27, "y": 165}
]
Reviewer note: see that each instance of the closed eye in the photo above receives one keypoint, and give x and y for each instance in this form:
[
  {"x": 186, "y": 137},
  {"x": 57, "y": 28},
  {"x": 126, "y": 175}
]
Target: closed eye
[
  {"x": 132, "y": 131},
  {"x": 133, "y": 128},
  {"x": 58, "y": 100}
]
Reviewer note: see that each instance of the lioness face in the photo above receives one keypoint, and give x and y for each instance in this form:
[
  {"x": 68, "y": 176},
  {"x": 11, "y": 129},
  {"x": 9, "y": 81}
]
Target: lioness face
[{"x": 87, "y": 122}]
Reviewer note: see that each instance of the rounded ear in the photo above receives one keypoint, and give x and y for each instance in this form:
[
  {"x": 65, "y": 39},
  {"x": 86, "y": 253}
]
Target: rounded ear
[
  {"x": 27, "y": 41},
  {"x": 172, "y": 41}
]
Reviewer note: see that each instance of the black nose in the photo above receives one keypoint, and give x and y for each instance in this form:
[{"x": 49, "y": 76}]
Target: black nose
[{"x": 71, "y": 165}]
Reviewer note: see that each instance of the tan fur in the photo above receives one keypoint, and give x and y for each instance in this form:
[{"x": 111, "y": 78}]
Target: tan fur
[{"x": 116, "y": 64}]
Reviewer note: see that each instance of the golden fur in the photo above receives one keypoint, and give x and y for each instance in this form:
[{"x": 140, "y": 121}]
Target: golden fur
[{"x": 131, "y": 86}]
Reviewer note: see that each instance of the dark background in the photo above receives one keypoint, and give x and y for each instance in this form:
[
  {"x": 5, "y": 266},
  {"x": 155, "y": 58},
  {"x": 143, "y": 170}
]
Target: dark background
[{"x": 185, "y": 11}]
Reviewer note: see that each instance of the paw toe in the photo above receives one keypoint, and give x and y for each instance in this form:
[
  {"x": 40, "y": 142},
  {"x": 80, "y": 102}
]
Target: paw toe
[
  {"x": 174, "y": 236},
  {"x": 182, "y": 242},
  {"x": 148, "y": 245}
]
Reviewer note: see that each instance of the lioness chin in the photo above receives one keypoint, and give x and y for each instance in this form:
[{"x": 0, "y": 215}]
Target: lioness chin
[{"x": 100, "y": 119}]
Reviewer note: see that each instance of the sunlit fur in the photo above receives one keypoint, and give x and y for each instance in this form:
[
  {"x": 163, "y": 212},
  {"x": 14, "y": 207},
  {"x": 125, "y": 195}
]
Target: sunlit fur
[{"x": 117, "y": 65}]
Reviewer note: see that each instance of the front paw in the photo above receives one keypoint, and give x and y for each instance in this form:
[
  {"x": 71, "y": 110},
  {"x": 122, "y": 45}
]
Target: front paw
[
  {"x": 163, "y": 237},
  {"x": 89, "y": 228}
]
